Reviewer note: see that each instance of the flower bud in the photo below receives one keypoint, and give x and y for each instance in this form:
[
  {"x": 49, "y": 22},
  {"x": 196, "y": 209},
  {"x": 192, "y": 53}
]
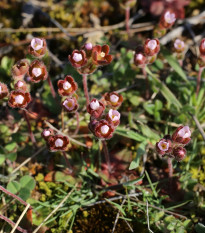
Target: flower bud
[
  {"x": 113, "y": 99},
  {"x": 3, "y": 91},
  {"x": 47, "y": 133},
  {"x": 78, "y": 58},
  {"x": 20, "y": 69},
  {"x": 113, "y": 117},
  {"x": 202, "y": 47},
  {"x": 70, "y": 104},
  {"x": 19, "y": 99},
  {"x": 95, "y": 108},
  {"x": 20, "y": 85},
  {"x": 103, "y": 129},
  {"x": 100, "y": 55},
  {"x": 67, "y": 86},
  {"x": 139, "y": 58},
  {"x": 182, "y": 135},
  {"x": 179, "y": 46},
  {"x": 167, "y": 19},
  {"x": 58, "y": 143},
  {"x": 37, "y": 71},
  {"x": 37, "y": 48},
  {"x": 151, "y": 47},
  {"x": 164, "y": 146},
  {"x": 179, "y": 153}
]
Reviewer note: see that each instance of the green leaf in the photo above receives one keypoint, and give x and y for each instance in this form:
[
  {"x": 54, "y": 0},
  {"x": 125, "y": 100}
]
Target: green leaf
[
  {"x": 13, "y": 187},
  {"x": 199, "y": 228},
  {"x": 133, "y": 182},
  {"x": 169, "y": 96},
  {"x": 24, "y": 193},
  {"x": 2, "y": 158},
  {"x": 11, "y": 156},
  {"x": 11, "y": 146},
  {"x": 174, "y": 63},
  {"x": 130, "y": 134},
  {"x": 27, "y": 182},
  {"x": 140, "y": 151},
  {"x": 117, "y": 206}
]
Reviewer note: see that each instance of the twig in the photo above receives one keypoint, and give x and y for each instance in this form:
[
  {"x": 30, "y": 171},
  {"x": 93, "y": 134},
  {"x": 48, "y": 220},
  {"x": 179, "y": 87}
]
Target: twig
[
  {"x": 198, "y": 125},
  {"x": 71, "y": 139},
  {"x": 27, "y": 160},
  {"x": 148, "y": 218},
  {"x": 57, "y": 207},
  {"x": 117, "y": 217},
  {"x": 12, "y": 224},
  {"x": 14, "y": 196},
  {"x": 20, "y": 218}
]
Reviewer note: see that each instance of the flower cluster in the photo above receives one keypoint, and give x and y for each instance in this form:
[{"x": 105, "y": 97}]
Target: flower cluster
[
  {"x": 173, "y": 146},
  {"x": 67, "y": 88},
  {"x": 90, "y": 57},
  {"x": 167, "y": 20},
  {"x": 55, "y": 142},
  {"x": 147, "y": 54},
  {"x": 103, "y": 125}
]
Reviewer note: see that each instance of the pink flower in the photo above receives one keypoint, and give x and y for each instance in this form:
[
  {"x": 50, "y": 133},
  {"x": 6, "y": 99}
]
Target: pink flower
[
  {"x": 179, "y": 153},
  {"x": 202, "y": 47},
  {"x": 164, "y": 146},
  {"x": 47, "y": 133},
  {"x": 182, "y": 135},
  {"x": 95, "y": 108},
  {"x": 179, "y": 46},
  {"x": 20, "y": 69},
  {"x": 167, "y": 19},
  {"x": 67, "y": 86},
  {"x": 151, "y": 47},
  {"x": 78, "y": 58},
  {"x": 20, "y": 85},
  {"x": 19, "y": 99},
  {"x": 37, "y": 47},
  {"x": 113, "y": 117},
  {"x": 37, "y": 71},
  {"x": 70, "y": 104},
  {"x": 58, "y": 143},
  {"x": 113, "y": 99},
  {"x": 103, "y": 129},
  {"x": 100, "y": 55},
  {"x": 139, "y": 58}
]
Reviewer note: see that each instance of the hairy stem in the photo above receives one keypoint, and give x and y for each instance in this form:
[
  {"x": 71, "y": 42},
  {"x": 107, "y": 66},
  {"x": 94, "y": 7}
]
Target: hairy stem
[
  {"x": 14, "y": 196},
  {"x": 170, "y": 167},
  {"x": 78, "y": 123},
  {"x": 85, "y": 87},
  {"x": 62, "y": 119},
  {"x": 12, "y": 223},
  {"x": 107, "y": 155},
  {"x": 147, "y": 91},
  {"x": 199, "y": 80},
  {"x": 51, "y": 87},
  {"x": 127, "y": 18},
  {"x": 29, "y": 128},
  {"x": 67, "y": 161}
]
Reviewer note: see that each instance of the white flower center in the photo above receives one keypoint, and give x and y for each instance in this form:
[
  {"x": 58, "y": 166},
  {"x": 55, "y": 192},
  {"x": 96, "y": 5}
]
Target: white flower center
[
  {"x": 94, "y": 105},
  {"x": 77, "y": 57},
  {"x": 20, "y": 84},
  {"x": 102, "y": 54},
  {"x": 0, "y": 89},
  {"x": 178, "y": 44},
  {"x": 139, "y": 57},
  {"x": 114, "y": 98},
  {"x": 185, "y": 132},
  {"x": 104, "y": 129},
  {"x": 114, "y": 115},
  {"x": 19, "y": 99},
  {"x": 164, "y": 146},
  {"x": 66, "y": 85},
  {"x": 59, "y": 142},
  {"x": 36, "y": 44},
  {"x": 169, "y": 17},
  {"x": 152, "y": 44},
  {"x": 46, "y": 133},
  {"x": 88, "y": 46},
  {"x": 36, "y": 72},
  {"x": 69, "y": 104},
  {"x": 203, "y": 45}
]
